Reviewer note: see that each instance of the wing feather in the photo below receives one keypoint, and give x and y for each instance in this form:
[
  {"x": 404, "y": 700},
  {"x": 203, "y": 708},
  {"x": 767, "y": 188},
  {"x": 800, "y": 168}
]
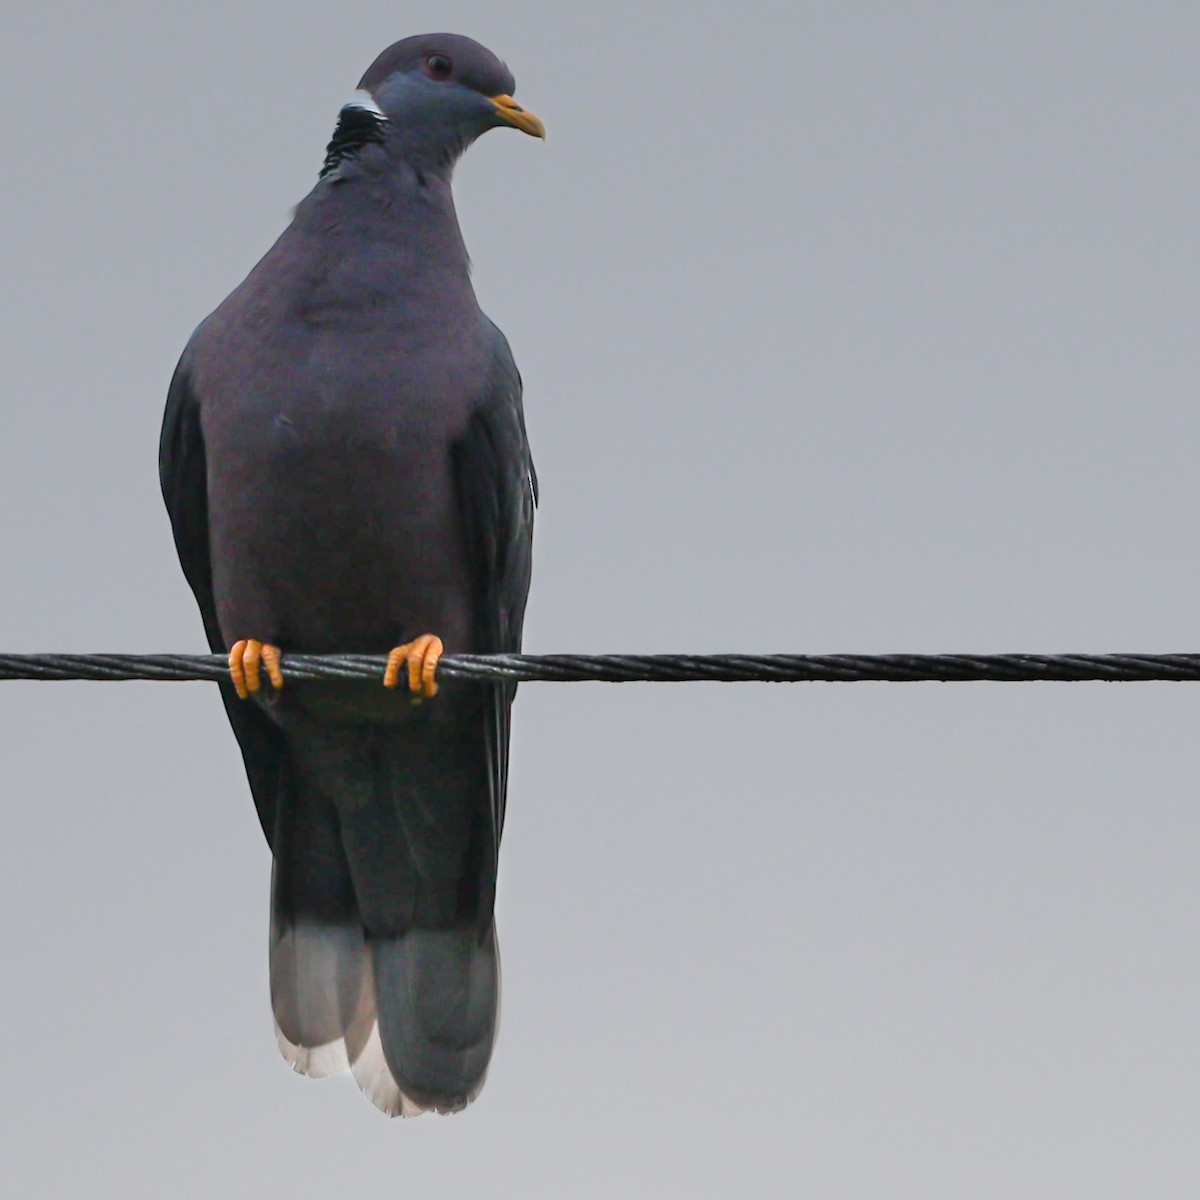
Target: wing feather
[
  {"x": 497, "y": 488},
  {"x": 183, "y": 473}
]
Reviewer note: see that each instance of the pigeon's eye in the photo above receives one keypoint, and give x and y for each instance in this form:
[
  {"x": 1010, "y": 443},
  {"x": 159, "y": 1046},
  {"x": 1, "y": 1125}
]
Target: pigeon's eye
[{"x": 439, "y": 66}]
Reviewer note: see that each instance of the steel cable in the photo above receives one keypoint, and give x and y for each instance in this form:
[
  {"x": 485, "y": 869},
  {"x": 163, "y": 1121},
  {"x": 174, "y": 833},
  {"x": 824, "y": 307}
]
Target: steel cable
[{"x": 637, "y": 668}]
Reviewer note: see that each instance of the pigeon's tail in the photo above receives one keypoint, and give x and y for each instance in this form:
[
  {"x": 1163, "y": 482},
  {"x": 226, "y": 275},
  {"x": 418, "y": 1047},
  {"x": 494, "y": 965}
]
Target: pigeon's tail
[
  {"x": 383, "y": 945},
  {"x": 319, "y": 973},
  {"x": 423, "y": 857},
  {"x": 316, "y": 993},
  {"x": 437, "y": 995}
]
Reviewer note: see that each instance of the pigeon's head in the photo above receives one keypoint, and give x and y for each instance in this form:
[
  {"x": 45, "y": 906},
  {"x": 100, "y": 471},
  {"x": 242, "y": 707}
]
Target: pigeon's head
[{"x": 430, "y": 97}]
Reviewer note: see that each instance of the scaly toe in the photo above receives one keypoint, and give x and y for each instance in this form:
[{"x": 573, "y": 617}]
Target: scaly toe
[
  {"x": 272, "y": 660},
  {"x": 429, "y": 662},
  {"x": 420, "y": 657},
  {"x": 395, "y": 660}
]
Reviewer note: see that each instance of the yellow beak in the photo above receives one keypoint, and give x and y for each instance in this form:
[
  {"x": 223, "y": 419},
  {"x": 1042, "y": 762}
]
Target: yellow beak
[{"x": 511, "y": 113}]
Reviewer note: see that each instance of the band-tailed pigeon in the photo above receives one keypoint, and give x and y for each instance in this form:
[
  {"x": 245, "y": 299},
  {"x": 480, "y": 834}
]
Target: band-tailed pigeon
[{"x": 346, "y": 469}]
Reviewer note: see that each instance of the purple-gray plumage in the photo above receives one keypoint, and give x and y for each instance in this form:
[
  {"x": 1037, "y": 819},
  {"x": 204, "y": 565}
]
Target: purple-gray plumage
[{"x": 345, "y": 465}]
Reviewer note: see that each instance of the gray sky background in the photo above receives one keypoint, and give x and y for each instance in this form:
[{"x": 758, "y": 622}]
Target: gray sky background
[{"x": 844, "y": 327}]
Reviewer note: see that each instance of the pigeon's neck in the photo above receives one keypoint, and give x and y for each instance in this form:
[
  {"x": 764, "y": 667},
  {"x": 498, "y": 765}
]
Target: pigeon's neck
[
  {"x": 385, "y": 231},
  {"x": 380, "y": 222},
  {"x": 395, "y": 204}
]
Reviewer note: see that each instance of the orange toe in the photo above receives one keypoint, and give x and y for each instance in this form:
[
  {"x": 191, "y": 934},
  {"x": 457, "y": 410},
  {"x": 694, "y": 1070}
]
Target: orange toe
[{"x": 246, "y": 660}]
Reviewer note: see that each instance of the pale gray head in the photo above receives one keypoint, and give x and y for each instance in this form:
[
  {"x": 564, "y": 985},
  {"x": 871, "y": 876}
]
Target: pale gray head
[{"x": 425, "y": 100}]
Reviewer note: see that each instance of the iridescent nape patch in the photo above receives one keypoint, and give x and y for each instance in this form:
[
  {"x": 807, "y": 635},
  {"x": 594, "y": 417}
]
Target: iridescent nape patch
[{"x": 361, "y": 123}]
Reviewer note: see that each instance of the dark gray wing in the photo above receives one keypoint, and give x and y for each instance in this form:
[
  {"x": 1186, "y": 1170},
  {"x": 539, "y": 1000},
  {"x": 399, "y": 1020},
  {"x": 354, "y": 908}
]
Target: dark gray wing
[
  {"x": 497, "y": 490},
  {"x": 183, "y": 473}
]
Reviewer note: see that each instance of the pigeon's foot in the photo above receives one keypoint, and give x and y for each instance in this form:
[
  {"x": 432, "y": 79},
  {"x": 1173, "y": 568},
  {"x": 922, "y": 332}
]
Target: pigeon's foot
[
  {"x": 420, "y": 656},
  {"x": 245, "y": 662}
]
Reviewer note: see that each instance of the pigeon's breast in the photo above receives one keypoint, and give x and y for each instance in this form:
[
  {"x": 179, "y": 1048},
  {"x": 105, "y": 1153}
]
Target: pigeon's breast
[{"x": 333, "y": 508}]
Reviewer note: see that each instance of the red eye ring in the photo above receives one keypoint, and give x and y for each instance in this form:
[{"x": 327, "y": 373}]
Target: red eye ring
[{"x": 439, "y": 66}]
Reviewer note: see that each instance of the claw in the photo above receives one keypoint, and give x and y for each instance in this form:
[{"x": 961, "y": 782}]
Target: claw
[
  {"x": 245, "y": 662},
  {"x": 420, "y": 656}
]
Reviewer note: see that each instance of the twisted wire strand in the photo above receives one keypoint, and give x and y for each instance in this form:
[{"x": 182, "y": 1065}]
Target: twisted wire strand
[{"x": 637, "y": 668}]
